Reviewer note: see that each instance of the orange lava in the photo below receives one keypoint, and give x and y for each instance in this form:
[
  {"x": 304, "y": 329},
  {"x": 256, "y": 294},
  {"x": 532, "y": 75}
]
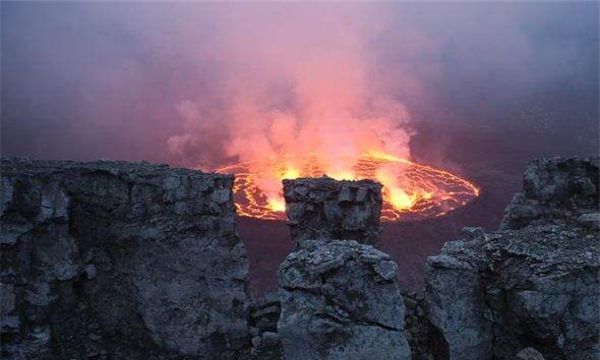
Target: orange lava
[{"x": 410, "y": 191}]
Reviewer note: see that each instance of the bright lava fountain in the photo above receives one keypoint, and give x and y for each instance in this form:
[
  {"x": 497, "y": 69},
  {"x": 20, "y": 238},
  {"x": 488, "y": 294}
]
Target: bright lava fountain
[{"x": 411, "y": 191}]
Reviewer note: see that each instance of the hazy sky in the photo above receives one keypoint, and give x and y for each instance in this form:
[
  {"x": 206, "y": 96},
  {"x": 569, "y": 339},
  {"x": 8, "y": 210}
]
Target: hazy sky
[{"x": 198, "y": 83}]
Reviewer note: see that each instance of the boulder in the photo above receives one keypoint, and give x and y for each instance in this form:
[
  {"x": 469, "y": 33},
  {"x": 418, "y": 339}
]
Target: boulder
[{"x": 340, "y": 300}]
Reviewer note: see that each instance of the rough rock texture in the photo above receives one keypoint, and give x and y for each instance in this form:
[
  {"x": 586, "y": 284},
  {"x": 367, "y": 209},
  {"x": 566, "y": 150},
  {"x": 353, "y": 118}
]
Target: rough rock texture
[
  {"x": 417, "y": 327},
  {"x": 556, "y": 189},
  {"x": 327, "y": 209},
  {"x": 534, "y": 283},
  {"x": 264, "y": 315},
  {"x": 529, "y": 354},
  {"x": 113, "y": 260},
  {"x": 340, "y": 300}
]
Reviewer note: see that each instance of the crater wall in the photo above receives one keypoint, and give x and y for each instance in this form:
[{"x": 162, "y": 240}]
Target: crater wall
[{"x": 120, "y": 260}]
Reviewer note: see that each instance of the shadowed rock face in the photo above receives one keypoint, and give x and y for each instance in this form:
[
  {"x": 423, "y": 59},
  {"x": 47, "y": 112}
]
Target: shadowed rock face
[
  {"x": 327, "y": 209},
  {"x": 264, "y": 314},
  {"x": 534, "y": 283},
  {"x": 555, "y": 189},
  {"x": 113, "y": 260},
  {"x": 340, "y": 300},
  {"x": 119, "y": 260}
]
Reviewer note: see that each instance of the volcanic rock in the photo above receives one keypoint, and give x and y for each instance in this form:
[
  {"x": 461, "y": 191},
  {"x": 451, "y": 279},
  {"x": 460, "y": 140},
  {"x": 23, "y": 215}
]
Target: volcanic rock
[
  {"x": 327, "y": 209},
  {"x": 529, "y": 354},
  {"x": 340, "y": 300},
  {"x": 267, "y": 346},
  {"x": 119, "y": 260},
  {"x": 555, "y": 188},
  {"x": 264, "y": 315},
  {"x": 264, "y": 312},
  {"x": 534, "y": 283},
  {"x": 416, "y": 325}
]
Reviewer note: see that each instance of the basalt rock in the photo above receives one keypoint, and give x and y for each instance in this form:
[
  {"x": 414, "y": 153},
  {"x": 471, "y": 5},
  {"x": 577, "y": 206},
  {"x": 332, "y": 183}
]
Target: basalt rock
[
  {"x": 556, "y": 188},
  {"x": 114, "y": 260},
  {"x": 529, "y": 354},
  {"x": 417, "y": 328},
  {"x": 327, "y": 209},
  {"x": 264, "y": 315},
  {"x": 267, "y": 346},
  {"x": 340, "y": 300},
  {"x": 534, "y": 283},
  {"x": 264, "y": 312}
]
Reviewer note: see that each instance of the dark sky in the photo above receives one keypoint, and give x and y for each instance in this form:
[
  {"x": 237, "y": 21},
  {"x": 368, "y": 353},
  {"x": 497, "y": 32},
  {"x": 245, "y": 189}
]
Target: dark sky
[{"x": 112, "y": 80}]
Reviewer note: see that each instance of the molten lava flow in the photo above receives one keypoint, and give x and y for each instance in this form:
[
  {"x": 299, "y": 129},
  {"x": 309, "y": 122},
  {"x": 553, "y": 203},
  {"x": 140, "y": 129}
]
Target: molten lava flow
[{"x": 410, "y": 190}]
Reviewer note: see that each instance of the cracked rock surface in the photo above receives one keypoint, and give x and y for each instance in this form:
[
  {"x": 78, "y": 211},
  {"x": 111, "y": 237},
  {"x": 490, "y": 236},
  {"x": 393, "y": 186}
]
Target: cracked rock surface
[
  {"x": 264, "y": 314},
  {"x": 556, "y": 188},
  {"x": 116, "y": 260},
  {"x": 328, "y": 209},
  {"x": 340, "y": 300},
  {"x": 416, "y": 328},
  {"x": 534, "y": 283}
]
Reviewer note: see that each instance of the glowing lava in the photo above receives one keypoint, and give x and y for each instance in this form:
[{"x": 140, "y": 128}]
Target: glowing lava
[{"x": 410, "y": 190}]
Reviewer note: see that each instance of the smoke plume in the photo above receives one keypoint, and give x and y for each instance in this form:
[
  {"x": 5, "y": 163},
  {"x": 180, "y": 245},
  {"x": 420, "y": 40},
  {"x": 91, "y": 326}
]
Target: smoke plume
[
  {"x": 294, "y": 82},
  {"x": 207, "y": 84}
]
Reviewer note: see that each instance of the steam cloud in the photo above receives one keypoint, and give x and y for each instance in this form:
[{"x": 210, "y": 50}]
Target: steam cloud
[
  {"x": 295, "y": 85},
  {"x": 205, "y": 84}
]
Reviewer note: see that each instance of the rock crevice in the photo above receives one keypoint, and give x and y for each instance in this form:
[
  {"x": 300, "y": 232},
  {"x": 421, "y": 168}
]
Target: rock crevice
[{"x": 113, "y": 260}]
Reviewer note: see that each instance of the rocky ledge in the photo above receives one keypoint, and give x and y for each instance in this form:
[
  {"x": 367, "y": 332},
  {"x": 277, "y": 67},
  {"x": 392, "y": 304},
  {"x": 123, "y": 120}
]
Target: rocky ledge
[
  {"x": 114, "y": 260},
  {"x": 556, "y": 189},
  {"x": 110, "y": 260},
  {"x": 534, "y": 283}
]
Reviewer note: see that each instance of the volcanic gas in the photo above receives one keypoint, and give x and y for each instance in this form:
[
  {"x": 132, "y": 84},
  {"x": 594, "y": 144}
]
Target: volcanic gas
[
  {"x": 411, "y": 191},
  {"x": 308, "y": 100}
]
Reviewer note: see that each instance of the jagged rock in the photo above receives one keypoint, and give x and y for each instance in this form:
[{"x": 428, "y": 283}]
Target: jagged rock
[
  {"x": 554, "y": 188},
  {"x": 340, "y": 300},
  {"x": 531, "y": 285},
  {"x": 416, "y": 325},
  {"x": 472, "y": 233},
  {"x": 264, "y": 312},
  {"x": 534, "y": 285},
  {"x": 591, "y": 220},
  {"x": 267, "y": 346},
  {"x": 120, "y": 260},
  {"x": 264, "y": 315},
  {"x": 529, "y": 354},
  {"x": 453, "y": 305},
  {"x": 327, "y": 209},
  {"x": 10, "y": 319}
]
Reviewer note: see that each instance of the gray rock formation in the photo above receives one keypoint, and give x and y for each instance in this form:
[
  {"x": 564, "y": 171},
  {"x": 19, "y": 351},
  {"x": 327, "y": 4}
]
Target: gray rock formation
[
  {"x": 529, "y": 354},
  {"x": 112, "y": 260},
  {"x": 327, "y": 209},
  {"x": 416, "y": 325},
  {"x": 340, "y": 300},
  {"x": 264, "y": 315},
  {"x": 534, "y": 283},
  {"x": 121, "y": 261},
  {"x": 555, "y": 188}
]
